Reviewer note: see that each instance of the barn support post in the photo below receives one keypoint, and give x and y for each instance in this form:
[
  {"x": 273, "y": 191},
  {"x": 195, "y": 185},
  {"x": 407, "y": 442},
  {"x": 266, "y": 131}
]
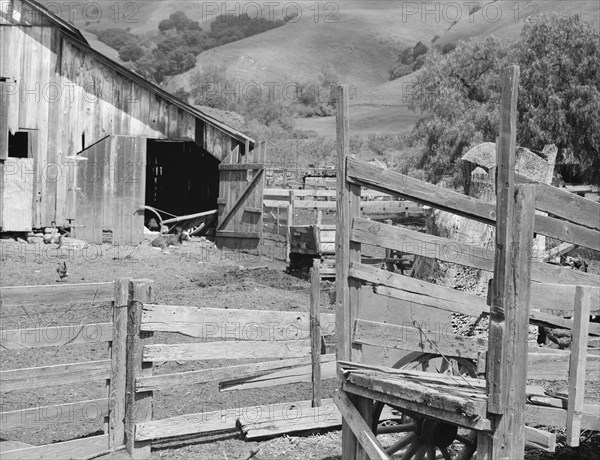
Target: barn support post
[
  {"x": 315, "y": 331},
  {"x": 138, "y": 406}
]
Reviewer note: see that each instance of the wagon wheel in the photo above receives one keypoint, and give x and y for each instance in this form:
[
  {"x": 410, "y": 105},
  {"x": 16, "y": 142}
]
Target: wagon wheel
[{"x": 423, "y": 437}]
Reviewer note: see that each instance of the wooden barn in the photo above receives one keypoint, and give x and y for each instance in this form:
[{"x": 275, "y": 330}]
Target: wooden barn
[{"x": 85, "y": 143}]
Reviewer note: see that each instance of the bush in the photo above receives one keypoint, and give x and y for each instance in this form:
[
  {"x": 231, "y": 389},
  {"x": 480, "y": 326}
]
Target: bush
[{"x": 115, "y": 38}]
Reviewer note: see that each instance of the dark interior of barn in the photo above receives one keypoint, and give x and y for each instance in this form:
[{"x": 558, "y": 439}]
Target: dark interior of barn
[{"x": 181, "y": 178}]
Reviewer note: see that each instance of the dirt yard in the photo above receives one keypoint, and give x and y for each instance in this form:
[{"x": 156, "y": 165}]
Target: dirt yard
[{"x": 196, "y": 274}]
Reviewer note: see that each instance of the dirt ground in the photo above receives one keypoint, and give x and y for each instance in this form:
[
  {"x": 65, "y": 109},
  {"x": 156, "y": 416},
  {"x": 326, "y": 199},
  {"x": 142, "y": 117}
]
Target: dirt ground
[{"x": 196, "y": 274}]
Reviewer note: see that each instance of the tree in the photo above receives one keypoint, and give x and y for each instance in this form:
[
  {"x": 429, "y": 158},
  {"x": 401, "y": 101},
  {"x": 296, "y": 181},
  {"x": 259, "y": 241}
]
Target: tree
[
  {"x": 131, "y": 51},
  {"x": 559, "y": 100}
]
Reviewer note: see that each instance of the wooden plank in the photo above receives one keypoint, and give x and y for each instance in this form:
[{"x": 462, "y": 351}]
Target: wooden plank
[
  {"x": 420, "y": 292},
  {"x": 227, "y": 350},
  {"x": 367, "y": 175},
  {"x": 421, "y": 244},
  {"x": 554, "y": 366},
  {"x": 388, "y": 181},
  {"x": 240, "y": 166},
  {"x": 138, "y": 405},
  {"x": 425, "y": 245},
  {"x": 77, "y": 448},
  {"x": 457, "y": 418},
  {"x": 118, "y": 378},
  {"x": 55, "y": 336},
  {"x": 509, "y": 309},
  {"x": 59, "y": 374},
  {"x": 577, "y": 365},
  {"x": 552, "y": 416},
  {"x": 567, "y": 231},
  {"x": 356, "y": 423},
  {"x": 540, "y": 439},
  {"x": 233, "y": 234},
  {"x": 558, "y": 297},
  {"x": 409, "y": 338},
  {"x": 567, "y": 205},
  {"x": 294, "y": 419},
  {"x": 182, "y": 425},
  {"x": 561, "y": 249},
  {"x": 232, "y": 323},
  {"x": 343, "y": 256},
  {"x": 15, "y": 296},
  {"x": 94, "y": 409},
  {"x": 283, "y": 377},
  {"x": 315, "y": 332},
  {"x": 231, "y": 374}
]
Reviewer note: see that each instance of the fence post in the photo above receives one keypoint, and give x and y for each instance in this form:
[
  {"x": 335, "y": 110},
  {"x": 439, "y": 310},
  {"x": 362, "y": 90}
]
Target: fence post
[
  {"x": 138, "y": 406},
  {"x": 118, "y": 365},
  {"x": 315, "y": 331},
  {"x": 577, "y": 364}
]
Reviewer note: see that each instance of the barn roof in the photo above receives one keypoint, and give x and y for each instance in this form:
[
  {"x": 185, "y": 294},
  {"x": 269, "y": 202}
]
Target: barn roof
[{"x": 75, "y": 36}]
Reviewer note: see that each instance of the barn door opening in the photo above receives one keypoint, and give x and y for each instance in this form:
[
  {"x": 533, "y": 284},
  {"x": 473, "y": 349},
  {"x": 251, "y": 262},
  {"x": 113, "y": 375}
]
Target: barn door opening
[{"x": 181, "y": 179}]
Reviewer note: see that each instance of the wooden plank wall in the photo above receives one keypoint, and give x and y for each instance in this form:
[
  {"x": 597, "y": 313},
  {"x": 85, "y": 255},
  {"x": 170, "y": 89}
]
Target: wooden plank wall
[
  {"x": 110, "y": 188},
  {"x": 74, "y": 100}
]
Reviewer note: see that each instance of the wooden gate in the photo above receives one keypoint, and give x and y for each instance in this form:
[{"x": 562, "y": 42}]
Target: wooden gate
[
  {"x": 240, "y": 199},
  {"x": 109, "y": 191}
]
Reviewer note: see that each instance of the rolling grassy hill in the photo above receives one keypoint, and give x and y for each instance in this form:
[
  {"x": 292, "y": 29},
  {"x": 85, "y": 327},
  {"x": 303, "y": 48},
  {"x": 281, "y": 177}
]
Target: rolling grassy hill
[{"x": 358, "y": 40}]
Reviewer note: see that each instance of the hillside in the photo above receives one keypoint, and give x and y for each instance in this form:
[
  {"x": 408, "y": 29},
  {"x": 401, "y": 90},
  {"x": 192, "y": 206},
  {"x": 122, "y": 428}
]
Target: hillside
[{"x": 360, "y": 46}]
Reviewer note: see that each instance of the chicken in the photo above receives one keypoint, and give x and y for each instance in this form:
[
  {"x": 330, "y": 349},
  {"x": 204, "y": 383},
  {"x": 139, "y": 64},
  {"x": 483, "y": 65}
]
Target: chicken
[{"x": 63, "y": 274}]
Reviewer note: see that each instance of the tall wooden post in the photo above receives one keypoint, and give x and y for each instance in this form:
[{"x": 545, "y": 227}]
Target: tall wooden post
[
  {"x": 577, "y": 365},
  {"x": 509, "y": 312},
  {"x": 118, "y": 365},
  {"x": 348, "y": 206},
  {"x": 315, "y": 331},
  {"x": 138, "y": 406}
]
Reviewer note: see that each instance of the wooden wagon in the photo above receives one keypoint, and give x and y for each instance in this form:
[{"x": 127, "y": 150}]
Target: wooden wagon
[{"x": 478, "y": 401}]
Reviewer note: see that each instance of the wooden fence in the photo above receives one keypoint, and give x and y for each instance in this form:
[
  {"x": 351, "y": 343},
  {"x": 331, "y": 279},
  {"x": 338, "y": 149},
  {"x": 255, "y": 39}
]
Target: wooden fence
[
  {"x": 108, "y": 410},
  {"x": 495, "y": 412},
  {"x": 289, "y": 344},
  {"x": 304, "y": 220}
]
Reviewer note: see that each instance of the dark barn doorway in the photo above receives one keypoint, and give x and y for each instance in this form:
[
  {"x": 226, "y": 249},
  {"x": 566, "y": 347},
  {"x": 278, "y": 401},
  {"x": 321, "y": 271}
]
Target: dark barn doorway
[{"x": 181, "y": 178}]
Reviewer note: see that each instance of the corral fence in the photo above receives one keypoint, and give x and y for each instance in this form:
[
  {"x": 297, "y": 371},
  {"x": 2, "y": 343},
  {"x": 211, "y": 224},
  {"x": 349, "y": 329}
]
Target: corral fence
[
  {"x": 304, "y": 220},
  {"x": 107, "y": 411},
  {"x": 285, "y": 347}
]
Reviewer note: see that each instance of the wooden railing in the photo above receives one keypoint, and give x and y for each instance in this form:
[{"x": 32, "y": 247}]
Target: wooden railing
[
  {"x": 288, "y": 342},
  {"x": 522, "y": 292},
  {"x": 108, "y": 410}
]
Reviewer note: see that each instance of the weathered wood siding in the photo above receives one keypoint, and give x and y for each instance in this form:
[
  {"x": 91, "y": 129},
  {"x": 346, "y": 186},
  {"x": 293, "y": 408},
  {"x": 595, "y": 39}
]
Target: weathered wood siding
[
  {"x": 75, "y": 97},
  {"x": 109, "y": 189}
]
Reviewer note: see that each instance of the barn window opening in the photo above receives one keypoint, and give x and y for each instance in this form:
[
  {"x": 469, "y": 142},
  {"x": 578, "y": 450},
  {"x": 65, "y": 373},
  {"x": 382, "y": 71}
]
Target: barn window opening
[
  {"x": 181, "y": 179},
  {"x": 18, "y": 144}
]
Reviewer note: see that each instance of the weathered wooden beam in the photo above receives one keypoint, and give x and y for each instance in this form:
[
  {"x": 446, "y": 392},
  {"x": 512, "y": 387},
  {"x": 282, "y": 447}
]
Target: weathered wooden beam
[
  {"x": 138, "y": 405},
  {"x": 365, "y": 174},
  {"x": 232, "y": 323},
  {"x": 315, "y": 331},
  {"x": 577, "y": 365},
  {"x": 509, "y": 311},
  {"x": 59, "y": 374},
  {"x": 226, "y": 350},
  {"x": 118, "y": 378},
  {"x": 357, "y": 424},
  {"x": 409, "y": 338},
  {"x": 55, "y": 336},
  {"x": 16, "y": 296},
  {"x": 77, "y": 448},
  {"x": 345, "y": 203}
]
